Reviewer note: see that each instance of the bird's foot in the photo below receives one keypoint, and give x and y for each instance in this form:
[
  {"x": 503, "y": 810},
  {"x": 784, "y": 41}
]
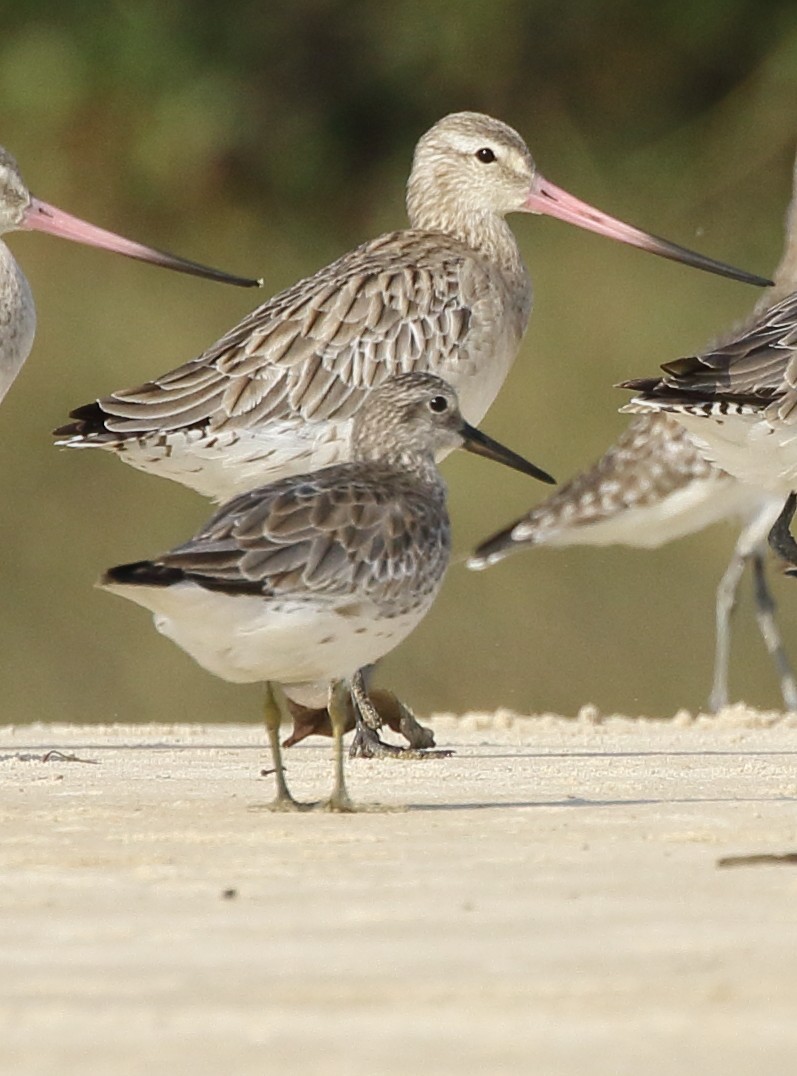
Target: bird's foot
[
  {"x": 288, "y": 805},
  {"x": 338, "y": 803},
  {"x": 416, "y": 734},
  {"x": 392, "y": 712},
  {"x": 367, "y": 744},
  {"x": 780, "y": 537}
]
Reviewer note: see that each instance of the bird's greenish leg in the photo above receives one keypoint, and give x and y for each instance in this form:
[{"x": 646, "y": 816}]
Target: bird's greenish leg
[
  {"x": 273, "y": 709},
  {"x": 339, "y": 696}
]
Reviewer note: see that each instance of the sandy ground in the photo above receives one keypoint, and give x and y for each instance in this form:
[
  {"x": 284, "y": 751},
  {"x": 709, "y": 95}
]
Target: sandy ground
[{"x": 549, "y": 900}]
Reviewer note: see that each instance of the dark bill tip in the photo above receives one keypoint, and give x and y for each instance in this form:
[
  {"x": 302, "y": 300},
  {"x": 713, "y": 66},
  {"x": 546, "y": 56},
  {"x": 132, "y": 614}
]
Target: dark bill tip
[
  {"x": 42, "y": 217},
  {"x": 481, "y": 445},
  {"x": 544, "y": 197},
  {"x": 491, "y": 550}
]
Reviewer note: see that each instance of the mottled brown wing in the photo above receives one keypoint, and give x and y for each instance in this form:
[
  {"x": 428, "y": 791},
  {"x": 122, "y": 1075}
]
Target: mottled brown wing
[
  {"x": 393, "y": 305},
  {"x": 358, "y": 539}
]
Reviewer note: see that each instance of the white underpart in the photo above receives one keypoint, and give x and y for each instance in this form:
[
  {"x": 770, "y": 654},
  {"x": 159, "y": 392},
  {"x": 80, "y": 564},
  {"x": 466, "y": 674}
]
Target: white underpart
[
  {"x": 247, "y": 639},
  {"x": 685, "y": 511},
  {"x": 17, "y": 319},
  {"x": 232, "y": 461},
  {"x": 748, "y": 447},
  {"x": 222, "y": 464}
]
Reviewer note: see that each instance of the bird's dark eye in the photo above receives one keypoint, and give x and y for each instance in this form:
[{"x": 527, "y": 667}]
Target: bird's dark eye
[
  {"x": 485, "y": 155},
  {"x": 438, "y": 404}
]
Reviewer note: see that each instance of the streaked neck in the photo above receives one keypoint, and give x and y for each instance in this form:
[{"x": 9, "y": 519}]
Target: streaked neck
[{"x": 485, "y": 232}]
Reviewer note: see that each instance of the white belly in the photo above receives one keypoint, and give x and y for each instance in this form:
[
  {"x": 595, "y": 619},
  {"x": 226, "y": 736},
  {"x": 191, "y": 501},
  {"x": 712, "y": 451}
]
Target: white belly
[
  {"x": 224, "y": 464},
  {"x": 687, "y": 510},
  {"x": 233, "y": 460},
  {"x": 17, "y": 319},
  {"x": 247, "y": 639},
  {"x": 748, "y": 447}
]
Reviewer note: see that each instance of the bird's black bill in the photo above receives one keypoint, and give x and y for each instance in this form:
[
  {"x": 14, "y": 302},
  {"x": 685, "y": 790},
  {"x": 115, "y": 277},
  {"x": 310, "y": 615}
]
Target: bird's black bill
[
  {"x": 479, "y": 443},
  {"x": 665, "y": 249}
]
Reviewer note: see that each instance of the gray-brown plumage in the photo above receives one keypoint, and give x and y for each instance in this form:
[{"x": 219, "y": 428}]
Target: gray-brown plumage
[
  {"x": 305, "y": 581},
  {"x": 652, "y": 487},
  {"x": 616, "y": 499},
  {"x": 450, "y": 295}
]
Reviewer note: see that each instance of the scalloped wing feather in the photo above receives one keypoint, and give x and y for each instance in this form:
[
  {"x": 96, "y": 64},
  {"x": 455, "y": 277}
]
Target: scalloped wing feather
[
  {"x": 390, "y": 306},
  {"x": 320, "y": 539}
]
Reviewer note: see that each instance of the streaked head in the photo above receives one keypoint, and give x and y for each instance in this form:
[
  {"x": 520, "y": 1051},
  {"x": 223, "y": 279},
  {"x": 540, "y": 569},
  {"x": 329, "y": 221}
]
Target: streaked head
[
  {"x": 471, "y": 162},
  {"x": 14, "y": 195},
  {"x": 469, "y": 165},
  {"x": 417, "y": 416}
]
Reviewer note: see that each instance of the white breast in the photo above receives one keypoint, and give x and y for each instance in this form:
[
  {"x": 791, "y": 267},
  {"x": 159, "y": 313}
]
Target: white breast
[{"x": 687, "y": 510}]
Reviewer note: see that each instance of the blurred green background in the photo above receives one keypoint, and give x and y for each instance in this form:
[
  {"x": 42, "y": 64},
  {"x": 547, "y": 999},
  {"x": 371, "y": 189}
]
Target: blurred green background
[{"x": 267, "y": 139}]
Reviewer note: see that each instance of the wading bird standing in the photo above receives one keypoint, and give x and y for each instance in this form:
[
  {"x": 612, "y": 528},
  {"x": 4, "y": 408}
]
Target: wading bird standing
[
  {"x": 302, "y": 582},
  {"x": 738, "y": 400},
  {"x": 652, "y": 487},
  {"x": 450, "y": 295},
  {"x": 655, "y": 485}
]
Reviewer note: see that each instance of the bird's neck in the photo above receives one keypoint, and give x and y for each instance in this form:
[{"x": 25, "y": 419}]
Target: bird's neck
[
  {"x": 785, "y": 276},
  {"x": 484, "y": 232},
  {"x": 419, "y": 469}
]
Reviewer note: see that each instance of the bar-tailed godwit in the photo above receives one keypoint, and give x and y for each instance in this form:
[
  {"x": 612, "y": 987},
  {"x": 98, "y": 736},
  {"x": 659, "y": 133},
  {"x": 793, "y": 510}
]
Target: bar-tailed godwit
[
  {"x": 738, "y": 399},
  {"x": 450, "y": 295},
  {"x": 20, "y": 211},
  {"x": 652, "y": 487}
]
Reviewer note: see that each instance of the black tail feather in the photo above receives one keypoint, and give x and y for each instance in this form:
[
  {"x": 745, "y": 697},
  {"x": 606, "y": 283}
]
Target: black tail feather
[
  {"x": 143, "y": 573},
  {"x": 147, "y": 573},
  {"x": 89, "y": 419}
]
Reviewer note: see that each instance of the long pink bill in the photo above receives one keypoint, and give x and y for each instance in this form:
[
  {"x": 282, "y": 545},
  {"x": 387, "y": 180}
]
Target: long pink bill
[
  {"x": 546, "y": 198},
  {"x": 41, "y": 217}
]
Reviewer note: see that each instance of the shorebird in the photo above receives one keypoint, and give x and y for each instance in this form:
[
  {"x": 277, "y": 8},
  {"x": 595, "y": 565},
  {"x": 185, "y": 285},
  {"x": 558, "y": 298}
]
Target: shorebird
[
  {"x": 738, "y": 399},
  {"x": 652, "y": 487},
  {"x": 302, "y": 582},
  {"x": 655, "y": 485},
  {"x": 20, "y": 211},
  {"x": 450, "y": 295}
]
